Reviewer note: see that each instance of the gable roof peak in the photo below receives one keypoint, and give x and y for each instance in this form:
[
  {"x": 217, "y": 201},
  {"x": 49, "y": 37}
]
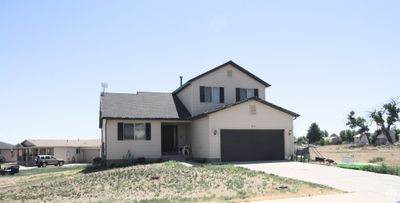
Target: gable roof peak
[{"x": 230, "y": 62}]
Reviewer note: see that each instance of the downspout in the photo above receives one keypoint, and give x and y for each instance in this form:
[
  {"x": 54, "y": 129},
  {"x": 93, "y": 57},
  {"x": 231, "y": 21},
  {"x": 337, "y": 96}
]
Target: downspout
[
  {"x": 292, "y": 137},
  {"x": 105, "y": 143}
]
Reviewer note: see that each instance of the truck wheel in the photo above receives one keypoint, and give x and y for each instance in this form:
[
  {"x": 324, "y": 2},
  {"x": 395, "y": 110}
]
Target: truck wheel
[
  {"x": 61, "y": 163},
  {"x": 44, "y": 164}
]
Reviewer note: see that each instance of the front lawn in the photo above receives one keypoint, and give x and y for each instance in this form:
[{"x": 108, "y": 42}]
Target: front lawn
[{"x": 160, "y": 182}]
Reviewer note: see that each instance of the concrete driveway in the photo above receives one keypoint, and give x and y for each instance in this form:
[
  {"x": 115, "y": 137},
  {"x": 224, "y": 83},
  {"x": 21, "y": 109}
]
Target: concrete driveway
[{"x": 361, "y": 186}]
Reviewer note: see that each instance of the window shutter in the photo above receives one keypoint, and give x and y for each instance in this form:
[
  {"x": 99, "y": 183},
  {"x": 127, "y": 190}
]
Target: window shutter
[
  {"x": 237, "y": 94},
  {"x": 221, "y": 95},
  {"x": 148, "y": 131},
  {"x": 202, "y": 94},
  {"x": 120, "y": 131},
  {"x": 256, "y": 92}
]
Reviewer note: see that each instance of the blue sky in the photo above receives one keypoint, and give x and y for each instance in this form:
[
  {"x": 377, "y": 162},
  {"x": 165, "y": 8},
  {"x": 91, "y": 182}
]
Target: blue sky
[{"x": 322, "y": 58}]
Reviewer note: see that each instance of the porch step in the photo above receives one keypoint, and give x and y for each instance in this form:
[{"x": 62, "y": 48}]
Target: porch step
[{"x": 175, "y": 158}]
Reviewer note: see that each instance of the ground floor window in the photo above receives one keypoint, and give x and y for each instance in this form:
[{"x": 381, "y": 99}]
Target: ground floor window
[{"x": 134, "y": 131}]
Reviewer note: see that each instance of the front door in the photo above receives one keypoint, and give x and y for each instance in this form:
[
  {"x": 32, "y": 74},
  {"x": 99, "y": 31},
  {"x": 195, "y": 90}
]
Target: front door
[{"x": 169, "y": 139}]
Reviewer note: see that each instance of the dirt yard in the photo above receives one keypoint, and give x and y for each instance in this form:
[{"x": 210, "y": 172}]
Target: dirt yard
[
  {"x": 389, "y": 154},
  {"x": 160, "y": 182}
]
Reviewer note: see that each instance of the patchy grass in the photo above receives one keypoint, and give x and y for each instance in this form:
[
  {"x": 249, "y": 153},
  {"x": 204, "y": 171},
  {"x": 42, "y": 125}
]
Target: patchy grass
[
  {"x": 50, "y": 169},
  {"x": 161, "y": 182},
  {"x": 389, "y": 154}
]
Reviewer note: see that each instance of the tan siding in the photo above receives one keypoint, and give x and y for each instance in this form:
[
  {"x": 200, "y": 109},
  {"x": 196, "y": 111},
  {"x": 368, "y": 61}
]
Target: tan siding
[
  {"x": 198, "y": 134},
  {"x": 186, "y": 97},
  {"x": 238, "y": 117},
  {"x": 116, "y": 149},
  {"x": 219, "y": 78}
]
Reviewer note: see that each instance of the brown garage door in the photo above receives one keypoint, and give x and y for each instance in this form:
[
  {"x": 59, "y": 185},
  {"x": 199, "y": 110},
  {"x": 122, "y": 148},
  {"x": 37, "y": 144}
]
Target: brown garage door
[{"x": 252, "y": 145}]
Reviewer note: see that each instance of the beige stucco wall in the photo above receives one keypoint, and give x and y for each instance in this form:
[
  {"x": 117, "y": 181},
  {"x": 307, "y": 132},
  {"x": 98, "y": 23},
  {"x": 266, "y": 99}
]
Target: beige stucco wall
[
  {"x": 9, "y": 155},
  {"x": 190, "y": 96},
  {"x": 68, "y": 154},
  {"x": 89, "y": 154},
  {"x": 198, "y": 138},
  {"x": 238, "y": 117},
  {"x": 116, "y": 149}
]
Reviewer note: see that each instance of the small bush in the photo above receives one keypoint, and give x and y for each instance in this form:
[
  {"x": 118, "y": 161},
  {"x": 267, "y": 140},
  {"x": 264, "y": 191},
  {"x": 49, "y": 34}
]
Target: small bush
[
  {"x": 376, "y": 160},
  {"x": 97, "y": 161}
]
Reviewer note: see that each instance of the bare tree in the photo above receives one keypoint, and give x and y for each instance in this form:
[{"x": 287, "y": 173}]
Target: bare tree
[{"x": 386, "y": 117}]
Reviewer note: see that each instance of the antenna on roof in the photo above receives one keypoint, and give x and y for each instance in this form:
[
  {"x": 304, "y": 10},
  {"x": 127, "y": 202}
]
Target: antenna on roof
[
  {"x": 181, "y": 77},
  {"x": 104, "y": 86}
]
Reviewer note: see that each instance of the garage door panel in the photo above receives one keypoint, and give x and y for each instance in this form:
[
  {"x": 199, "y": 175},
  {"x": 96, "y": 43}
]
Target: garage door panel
[{"x": 252, "y": 145}]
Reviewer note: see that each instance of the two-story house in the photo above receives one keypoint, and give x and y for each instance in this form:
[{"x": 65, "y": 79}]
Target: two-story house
[{"x": 220, "y": 115}]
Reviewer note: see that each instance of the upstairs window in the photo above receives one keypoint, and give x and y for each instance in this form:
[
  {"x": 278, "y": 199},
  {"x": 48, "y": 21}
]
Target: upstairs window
[
  {"x": 245, "y": 93},
  {"x": 211, "y": 94}
]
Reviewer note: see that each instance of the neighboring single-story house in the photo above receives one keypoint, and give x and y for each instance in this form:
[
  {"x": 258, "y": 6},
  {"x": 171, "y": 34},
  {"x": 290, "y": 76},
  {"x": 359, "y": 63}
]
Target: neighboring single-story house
[
  {"x": 7, "y": 152},
  {"x": 334, "y": 139},
  {"x": 71, "y": 151},
  {"x": 220, "y": 115},
  {"x": 360, "y": 139},
  {"x": 381, "y": 139}
]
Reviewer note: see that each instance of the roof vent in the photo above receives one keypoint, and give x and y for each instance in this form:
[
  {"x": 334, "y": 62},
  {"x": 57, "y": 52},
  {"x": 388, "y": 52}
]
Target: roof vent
[{"x": 181, "y": 78}]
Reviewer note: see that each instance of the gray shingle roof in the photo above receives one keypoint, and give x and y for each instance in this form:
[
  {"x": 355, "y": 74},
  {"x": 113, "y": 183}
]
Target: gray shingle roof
[
  {"x": 143, "y": 105},
  {"x": 61, "y": 143},
  {"x": 4, "y": 145}
]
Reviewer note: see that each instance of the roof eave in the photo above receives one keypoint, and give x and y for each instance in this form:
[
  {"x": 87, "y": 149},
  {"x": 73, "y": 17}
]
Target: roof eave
[
  {"x": 137, "y": 118},
  {"x": 295, "y": 115}
]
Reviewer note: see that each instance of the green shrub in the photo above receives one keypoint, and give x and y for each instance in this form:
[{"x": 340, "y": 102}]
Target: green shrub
[
  {"x": 302, "y": 140},
  {"x": 384, "y": 169}
]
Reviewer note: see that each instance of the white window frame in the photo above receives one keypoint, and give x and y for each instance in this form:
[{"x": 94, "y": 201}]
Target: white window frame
[
  {"x": 214, "y": 95},
  {"x": 249, "y": 93}
]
